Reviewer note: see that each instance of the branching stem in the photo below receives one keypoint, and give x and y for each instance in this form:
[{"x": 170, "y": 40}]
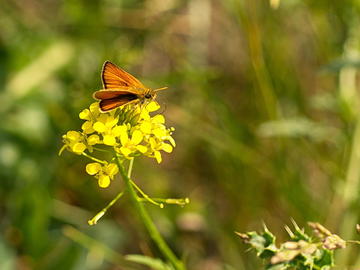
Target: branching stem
[{"x": 145, "y": 217}]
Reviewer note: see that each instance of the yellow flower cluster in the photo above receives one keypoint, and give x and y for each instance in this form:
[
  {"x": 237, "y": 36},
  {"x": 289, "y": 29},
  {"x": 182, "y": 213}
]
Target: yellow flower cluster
[{"x": 128, "y": 132}]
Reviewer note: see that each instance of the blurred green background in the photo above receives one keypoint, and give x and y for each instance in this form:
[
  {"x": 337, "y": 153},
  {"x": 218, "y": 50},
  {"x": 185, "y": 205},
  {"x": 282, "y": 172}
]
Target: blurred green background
[{"x": 264, "y": 99}]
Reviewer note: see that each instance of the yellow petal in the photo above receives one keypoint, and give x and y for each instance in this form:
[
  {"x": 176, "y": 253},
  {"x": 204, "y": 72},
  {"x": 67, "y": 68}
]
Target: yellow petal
[
  {"x": 152, "y": 106},
  {"x": 171, "y": 140},
  {"x": 158, "y": 156},
  {"x": 93, "y": 168},
  {"x": 85, "y": 114},
  {"x": 124, "y": 138},
  {"x": 118, "y": 130},
  {"x": 142, "y": 149},
  {"x": 104, "y": 181},
  {"x": 72, "y": 135},
  {"x": 153, "y": 143},
  {"x": 136, "y": 137},
  {"x": 167, "y": 147},
  {"x": 111, "y": 169},
  {"x": 145, "y": 127},
  {"x": 144, "y": 115},
  {"x": 94, "y": 108},
  {"x": 111, "y": 121},
  {"x": 125, "y": 151},
  {"x": 78, "y": 148},
  {"x": 159, "y": 132},
  {"x": 93, "y": 139},
  {"x": 103, "y": 117},
  {"x": 109, "y": 140},
  {"x": 99, "y": 127},
  {"x": 159, "y": 118},
  {"x": 87, "y": 127}
]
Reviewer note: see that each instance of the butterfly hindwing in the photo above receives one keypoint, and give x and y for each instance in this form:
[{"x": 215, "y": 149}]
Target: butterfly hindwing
[
  {"x": 112, "y": 93},
  {"x": 110, "y": 104}
]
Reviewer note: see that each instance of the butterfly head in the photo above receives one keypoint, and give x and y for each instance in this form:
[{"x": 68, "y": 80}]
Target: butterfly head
[{"x": 149, "y": 95}]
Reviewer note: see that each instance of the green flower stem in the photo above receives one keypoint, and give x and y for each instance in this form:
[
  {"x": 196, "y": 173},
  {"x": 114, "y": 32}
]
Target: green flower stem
[
  {"x": 95, "y": 219},
  {"x": 150, "y": 226},
  {"x": 145, "y": 196},
  {"x": 101, "y": 150},
  {"x": 94, "y": 159},
  {"x": 131, "y": 163},
  {"x": 181, "y": 201}
]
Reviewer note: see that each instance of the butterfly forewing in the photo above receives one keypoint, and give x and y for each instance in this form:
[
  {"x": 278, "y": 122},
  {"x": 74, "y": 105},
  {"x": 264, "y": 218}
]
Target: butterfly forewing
[
  {"x": 121, "y": 88},
  {"x": 114, "y": 77}
]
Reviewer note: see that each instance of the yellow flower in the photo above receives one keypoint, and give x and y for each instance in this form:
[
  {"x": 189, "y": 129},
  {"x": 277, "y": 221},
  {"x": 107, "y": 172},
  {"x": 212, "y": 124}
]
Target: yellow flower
[
  {"x": 87, "y": 127},
  {"x": 85, "y": 114},
  {"x": 132, "y": 145},
  {"x": 104, "y": 173},
  {"x": 89, "y": 115},
  {"x": 93, "y": 139},
  {"x": 157, "y": 146},
  {"x": 74, "y": 141}
]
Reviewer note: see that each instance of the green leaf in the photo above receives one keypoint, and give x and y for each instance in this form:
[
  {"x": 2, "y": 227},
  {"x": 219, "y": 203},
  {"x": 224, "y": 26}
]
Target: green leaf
[
  {"x": 153, "y": 263},
  {"x": 325, "y": 259},
  {"x": 269, "y": 237},
  {"x": 264, "y": 244},
  {"x": 299, "y": 233}
]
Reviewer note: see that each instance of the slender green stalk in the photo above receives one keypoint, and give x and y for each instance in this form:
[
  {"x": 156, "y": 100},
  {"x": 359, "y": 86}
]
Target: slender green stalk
[
  {"x": 248, "y": 17},
  {"x": 181, "y": 201},
  {"x": 145, "y": 196},
  {"x": 93, "y": 158},
  {"x": 131, "y": 164},
  {"x": 95, "y": 219},
  {"x": 150, "y": 226},
  {"x": 101, "y": 150}
]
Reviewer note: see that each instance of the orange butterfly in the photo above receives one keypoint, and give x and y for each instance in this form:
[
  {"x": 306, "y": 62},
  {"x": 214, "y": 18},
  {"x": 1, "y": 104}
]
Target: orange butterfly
[{"x": 121, "y": 88}]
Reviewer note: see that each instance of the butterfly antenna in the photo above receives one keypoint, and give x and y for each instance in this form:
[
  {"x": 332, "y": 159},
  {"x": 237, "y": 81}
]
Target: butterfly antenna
[{"x": 159, "y": 89}]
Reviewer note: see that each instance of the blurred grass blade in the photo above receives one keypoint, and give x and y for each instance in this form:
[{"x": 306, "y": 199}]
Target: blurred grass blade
[
  {"x": 297, "y": 127},
  {"x": 53, "y": 58},
  {"x": 96, "y": 247},
  {"x": 153, "y": 263}
]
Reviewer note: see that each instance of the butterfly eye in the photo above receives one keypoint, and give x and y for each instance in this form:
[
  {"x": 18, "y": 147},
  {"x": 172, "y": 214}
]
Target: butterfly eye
[{"x": 147, "y": 96}]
